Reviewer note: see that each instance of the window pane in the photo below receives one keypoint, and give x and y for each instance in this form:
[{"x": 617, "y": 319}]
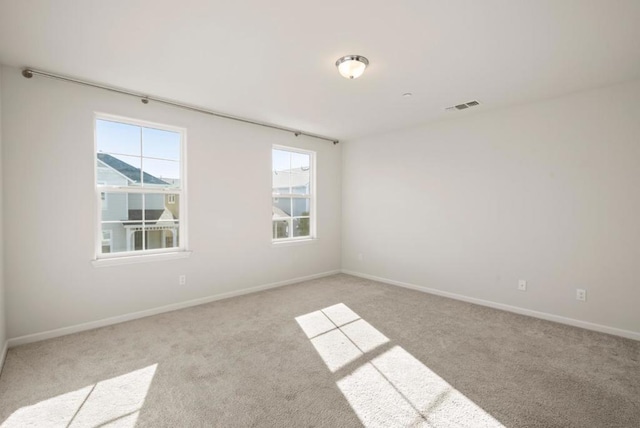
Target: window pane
[
  {"x": 158, "y": 237},
  {"x": 281, "y": 182},
  {"x": 301, "y": 207},
  {"x": 300, "y": 182},
  {"x": 171, "y": 209},
  {"x": 281, "y": 160},
  {"x": 158, "y": 143},
  {"x": 281, "y": 174},
  {"x": 118, "y": 170},
  {"x": 134, "y": 203},
  {"x": 138, "y": 240},
  {"x": 104, "y": 201},
  {"x": 113, "y": 238},
  {"x": 170, "y": 238},
  {"x": 160, "y": 220},
  {"x": 106, "y": 240},
  {"x": 301, "y": 226},
  {"x": 156, "y": 208},
  {"x": 172, "y": 203},
  {"x": 281, "y": 229},
  {"x": 161, "y": 173},
  {"x": 118, "y": 138},
  {"x": 300, "y": 161},
  {"x": 281, "y": 207},
  {"x": 116, "y": 206}
]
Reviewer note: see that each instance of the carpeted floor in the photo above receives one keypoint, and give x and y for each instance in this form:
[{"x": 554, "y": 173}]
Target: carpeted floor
[{"x": 334, "y": 352}]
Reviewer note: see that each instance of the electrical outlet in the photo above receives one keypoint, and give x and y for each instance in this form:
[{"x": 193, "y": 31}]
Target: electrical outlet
[
  {"x": 522, "y": 285},
  {"x": 182, "y": 280},
  {"x": 581, "y": 294}
]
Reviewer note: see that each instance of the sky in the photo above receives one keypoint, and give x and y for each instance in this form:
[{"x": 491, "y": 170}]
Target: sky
[
  {"x": 158, "y": 149},
  {"x": 284, "y": 160}
]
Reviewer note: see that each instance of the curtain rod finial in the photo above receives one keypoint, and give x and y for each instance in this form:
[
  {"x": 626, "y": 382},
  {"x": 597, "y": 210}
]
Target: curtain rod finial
[{"x": 27, "y": 73}]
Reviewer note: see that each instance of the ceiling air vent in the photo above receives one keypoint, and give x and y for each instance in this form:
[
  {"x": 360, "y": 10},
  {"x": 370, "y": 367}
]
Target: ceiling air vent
[{"x": 463, "y": 106}]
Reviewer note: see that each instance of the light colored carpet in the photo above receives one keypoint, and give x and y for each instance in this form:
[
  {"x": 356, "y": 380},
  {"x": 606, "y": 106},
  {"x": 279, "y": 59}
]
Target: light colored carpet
[{"x": 335, "y": 352}]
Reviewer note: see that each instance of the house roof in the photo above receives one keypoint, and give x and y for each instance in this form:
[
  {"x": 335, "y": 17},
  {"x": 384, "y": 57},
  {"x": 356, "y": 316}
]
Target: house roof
[{"x": 129, "y": 171}]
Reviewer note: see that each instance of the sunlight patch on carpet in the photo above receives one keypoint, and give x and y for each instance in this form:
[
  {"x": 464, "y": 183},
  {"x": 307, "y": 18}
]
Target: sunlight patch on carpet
[
  {"x": 116, "y": 401},
  {"x": 393, "y": 389},
  {"x": 340, "y": 314},
  {"x": 339, "y": 335},
  {"x": 315, "y": 323}
]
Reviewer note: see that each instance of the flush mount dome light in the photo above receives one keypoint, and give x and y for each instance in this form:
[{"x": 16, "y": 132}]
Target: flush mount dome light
[{"x": 352, "y": 66}]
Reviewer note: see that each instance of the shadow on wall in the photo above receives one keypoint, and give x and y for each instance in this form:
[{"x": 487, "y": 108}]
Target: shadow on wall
[
  {"x": 388, "y": 387},
  {"x": 113, "y": 401}
]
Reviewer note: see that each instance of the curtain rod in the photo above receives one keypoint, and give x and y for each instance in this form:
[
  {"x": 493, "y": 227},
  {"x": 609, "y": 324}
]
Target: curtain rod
[{"x": 30, "y": 72}]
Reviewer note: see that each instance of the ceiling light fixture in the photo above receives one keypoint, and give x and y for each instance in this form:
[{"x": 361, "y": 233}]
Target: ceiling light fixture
[{"x": 352, "y": 66}]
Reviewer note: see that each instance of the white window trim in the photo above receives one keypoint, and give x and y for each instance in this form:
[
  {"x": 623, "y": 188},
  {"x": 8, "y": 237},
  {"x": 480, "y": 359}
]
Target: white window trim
[
  {"x": 139, "y": 258},
  {"x": 293, "y": 241},
  {"x": 127, "y": 257},
  {"x": 312, "y": 199}
]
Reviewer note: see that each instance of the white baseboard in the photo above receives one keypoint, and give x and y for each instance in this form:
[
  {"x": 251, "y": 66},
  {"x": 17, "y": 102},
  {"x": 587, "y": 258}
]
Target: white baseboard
[
  {"x": 522, "y": 311},
  {"x": 3, "y": 354},
  {"x": 36, "y": 337}
]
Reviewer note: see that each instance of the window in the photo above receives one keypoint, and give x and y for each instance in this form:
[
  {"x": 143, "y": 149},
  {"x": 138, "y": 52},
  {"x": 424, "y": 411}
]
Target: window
[
  {"x": 293, "y": 195},
  {"x": 140, "y": 172}
]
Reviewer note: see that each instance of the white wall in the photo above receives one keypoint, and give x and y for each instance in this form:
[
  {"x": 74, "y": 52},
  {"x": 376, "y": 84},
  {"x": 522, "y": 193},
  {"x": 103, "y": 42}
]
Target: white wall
[
  {"x": 3, "y": 332},
  {"x": 49, "y": 209},
  {"x": 546, "y": 192}
]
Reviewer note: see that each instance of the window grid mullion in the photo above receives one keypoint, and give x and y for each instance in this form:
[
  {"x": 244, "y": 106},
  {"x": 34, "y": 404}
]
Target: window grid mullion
[
  {"x": 144, "y": 216},
  {"x": 141, "y": 159},
  {"x": 151, "y": 190}
]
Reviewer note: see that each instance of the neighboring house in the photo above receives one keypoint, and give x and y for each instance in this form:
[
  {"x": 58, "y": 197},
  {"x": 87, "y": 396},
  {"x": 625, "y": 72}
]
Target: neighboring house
[{"x": 122, "y": 214}]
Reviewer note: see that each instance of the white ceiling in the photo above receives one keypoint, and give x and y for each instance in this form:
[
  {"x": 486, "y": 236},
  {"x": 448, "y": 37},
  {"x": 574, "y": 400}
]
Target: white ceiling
[{"x": 274, "y": 60}]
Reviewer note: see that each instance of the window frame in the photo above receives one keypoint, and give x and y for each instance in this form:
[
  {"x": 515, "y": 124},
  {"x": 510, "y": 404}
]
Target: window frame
[
  {"x": 312, "y": 197},
  {"x": 101, "y": 258}
]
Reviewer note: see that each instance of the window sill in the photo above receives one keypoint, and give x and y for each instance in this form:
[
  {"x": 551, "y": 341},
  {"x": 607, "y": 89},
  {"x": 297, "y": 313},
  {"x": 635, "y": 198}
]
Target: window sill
[
  {"x": 116, "y": 261},
  {"x": 294, "y": 242}
]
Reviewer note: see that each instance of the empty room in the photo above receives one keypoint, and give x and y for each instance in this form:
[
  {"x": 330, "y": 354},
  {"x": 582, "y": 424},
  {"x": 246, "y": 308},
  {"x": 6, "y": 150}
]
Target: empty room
[{"x": 338, "y": 214}]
